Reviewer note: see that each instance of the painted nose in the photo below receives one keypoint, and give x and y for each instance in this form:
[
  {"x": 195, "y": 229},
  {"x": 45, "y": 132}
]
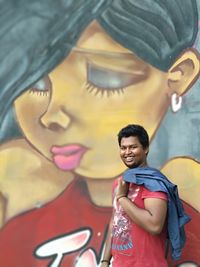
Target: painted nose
[{"x": 56, "y": 120}]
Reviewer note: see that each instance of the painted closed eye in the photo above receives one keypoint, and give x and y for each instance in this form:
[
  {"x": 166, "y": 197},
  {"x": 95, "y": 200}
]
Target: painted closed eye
[
  {"x": 103, "y": 80},
  {"x": 42, "y": 87}
]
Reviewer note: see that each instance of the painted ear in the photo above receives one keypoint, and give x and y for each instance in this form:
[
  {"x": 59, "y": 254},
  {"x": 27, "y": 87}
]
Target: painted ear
[{"x": 184, "y": 72}]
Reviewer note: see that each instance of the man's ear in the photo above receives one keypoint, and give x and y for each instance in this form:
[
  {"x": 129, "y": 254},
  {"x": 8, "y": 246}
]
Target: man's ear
[{"x": 184, "y": 72}]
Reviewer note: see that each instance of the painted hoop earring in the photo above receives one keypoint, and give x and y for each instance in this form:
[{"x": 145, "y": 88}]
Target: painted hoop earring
[{"x": 176, "y": 102}]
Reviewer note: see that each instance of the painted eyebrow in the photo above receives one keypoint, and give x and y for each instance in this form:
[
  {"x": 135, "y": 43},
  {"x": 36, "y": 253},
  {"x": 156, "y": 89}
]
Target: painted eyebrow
[{"x": 102, "y": 52}]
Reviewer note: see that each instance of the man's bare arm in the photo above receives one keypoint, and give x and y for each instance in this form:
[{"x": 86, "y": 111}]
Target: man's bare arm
[
  {"x": 151, "y": 218},
  {"x": 107, "y": 251}
]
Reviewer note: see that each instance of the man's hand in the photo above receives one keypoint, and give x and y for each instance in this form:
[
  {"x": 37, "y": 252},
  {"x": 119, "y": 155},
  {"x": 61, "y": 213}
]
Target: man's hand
[{"x": 122, "y": 189}]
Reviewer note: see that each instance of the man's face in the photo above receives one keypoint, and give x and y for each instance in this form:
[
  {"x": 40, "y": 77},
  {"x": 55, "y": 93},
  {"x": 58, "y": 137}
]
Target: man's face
[{"x": 132, "y": 152}]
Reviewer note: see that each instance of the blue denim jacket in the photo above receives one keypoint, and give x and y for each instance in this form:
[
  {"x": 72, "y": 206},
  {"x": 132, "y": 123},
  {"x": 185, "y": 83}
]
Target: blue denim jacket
[{"x": 154, "y": 180}]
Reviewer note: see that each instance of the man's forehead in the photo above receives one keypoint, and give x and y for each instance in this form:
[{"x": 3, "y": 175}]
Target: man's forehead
[{"x": 129, "y": 141}]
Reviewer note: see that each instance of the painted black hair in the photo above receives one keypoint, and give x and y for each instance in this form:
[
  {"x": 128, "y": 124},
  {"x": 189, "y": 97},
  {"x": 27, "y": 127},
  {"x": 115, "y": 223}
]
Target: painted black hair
[
  {"x": 157, "y": 31},
  {"x": 35, "y": 36}
]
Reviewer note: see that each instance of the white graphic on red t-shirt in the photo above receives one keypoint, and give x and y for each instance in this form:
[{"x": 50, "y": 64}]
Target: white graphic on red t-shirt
[{"x": 121, "y": 232}]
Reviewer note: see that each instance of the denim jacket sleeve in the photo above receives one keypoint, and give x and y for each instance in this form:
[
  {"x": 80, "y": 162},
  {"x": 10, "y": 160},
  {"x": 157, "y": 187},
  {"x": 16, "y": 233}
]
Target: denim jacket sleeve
[{"x": 154, "y": 180}]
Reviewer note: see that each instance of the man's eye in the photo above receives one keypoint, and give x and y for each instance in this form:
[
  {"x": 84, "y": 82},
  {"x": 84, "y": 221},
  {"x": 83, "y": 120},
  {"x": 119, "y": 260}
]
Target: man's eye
[
  {"x": 43, "y": 86},
  {"x": 109, "y": 80}
]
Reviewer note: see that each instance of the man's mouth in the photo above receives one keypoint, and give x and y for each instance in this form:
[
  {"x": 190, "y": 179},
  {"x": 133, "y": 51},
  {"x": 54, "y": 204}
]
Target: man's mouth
[
  {"x": 68, "y": 157},
  {"x": 129, "y": 159}
]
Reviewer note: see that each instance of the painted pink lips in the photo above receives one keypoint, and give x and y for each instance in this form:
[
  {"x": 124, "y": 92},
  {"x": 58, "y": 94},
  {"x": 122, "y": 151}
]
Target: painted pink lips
[{"x": 67, "y": 157}]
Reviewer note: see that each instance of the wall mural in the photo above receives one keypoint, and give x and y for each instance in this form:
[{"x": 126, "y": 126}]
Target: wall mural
[{"x": 72, "y": 74}]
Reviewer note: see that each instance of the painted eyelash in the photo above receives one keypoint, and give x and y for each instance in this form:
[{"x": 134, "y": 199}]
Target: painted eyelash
[
  {"x": 39, "y": 93},
  {"x": 103, "y": 91}
]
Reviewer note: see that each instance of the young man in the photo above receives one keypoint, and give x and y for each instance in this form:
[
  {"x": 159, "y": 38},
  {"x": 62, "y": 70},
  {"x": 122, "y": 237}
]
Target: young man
[{"x": 138, "y": 229}]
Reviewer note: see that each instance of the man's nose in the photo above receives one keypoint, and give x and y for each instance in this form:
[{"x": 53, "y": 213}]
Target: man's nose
[{"x": 127, "y": 151}]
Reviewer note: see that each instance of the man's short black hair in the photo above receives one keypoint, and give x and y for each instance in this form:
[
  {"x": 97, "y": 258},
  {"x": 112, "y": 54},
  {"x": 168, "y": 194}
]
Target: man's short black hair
[{"x": 134, "y": 130}]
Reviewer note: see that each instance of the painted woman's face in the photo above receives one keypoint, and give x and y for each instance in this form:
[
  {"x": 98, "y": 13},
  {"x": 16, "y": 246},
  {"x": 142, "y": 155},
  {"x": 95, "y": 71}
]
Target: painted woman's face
[{"x": 73, "y": 115}]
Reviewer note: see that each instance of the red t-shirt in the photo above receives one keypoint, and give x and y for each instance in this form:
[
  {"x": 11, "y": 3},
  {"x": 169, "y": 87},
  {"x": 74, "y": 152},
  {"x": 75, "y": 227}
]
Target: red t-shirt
[{"x": 131, "y": 244}]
